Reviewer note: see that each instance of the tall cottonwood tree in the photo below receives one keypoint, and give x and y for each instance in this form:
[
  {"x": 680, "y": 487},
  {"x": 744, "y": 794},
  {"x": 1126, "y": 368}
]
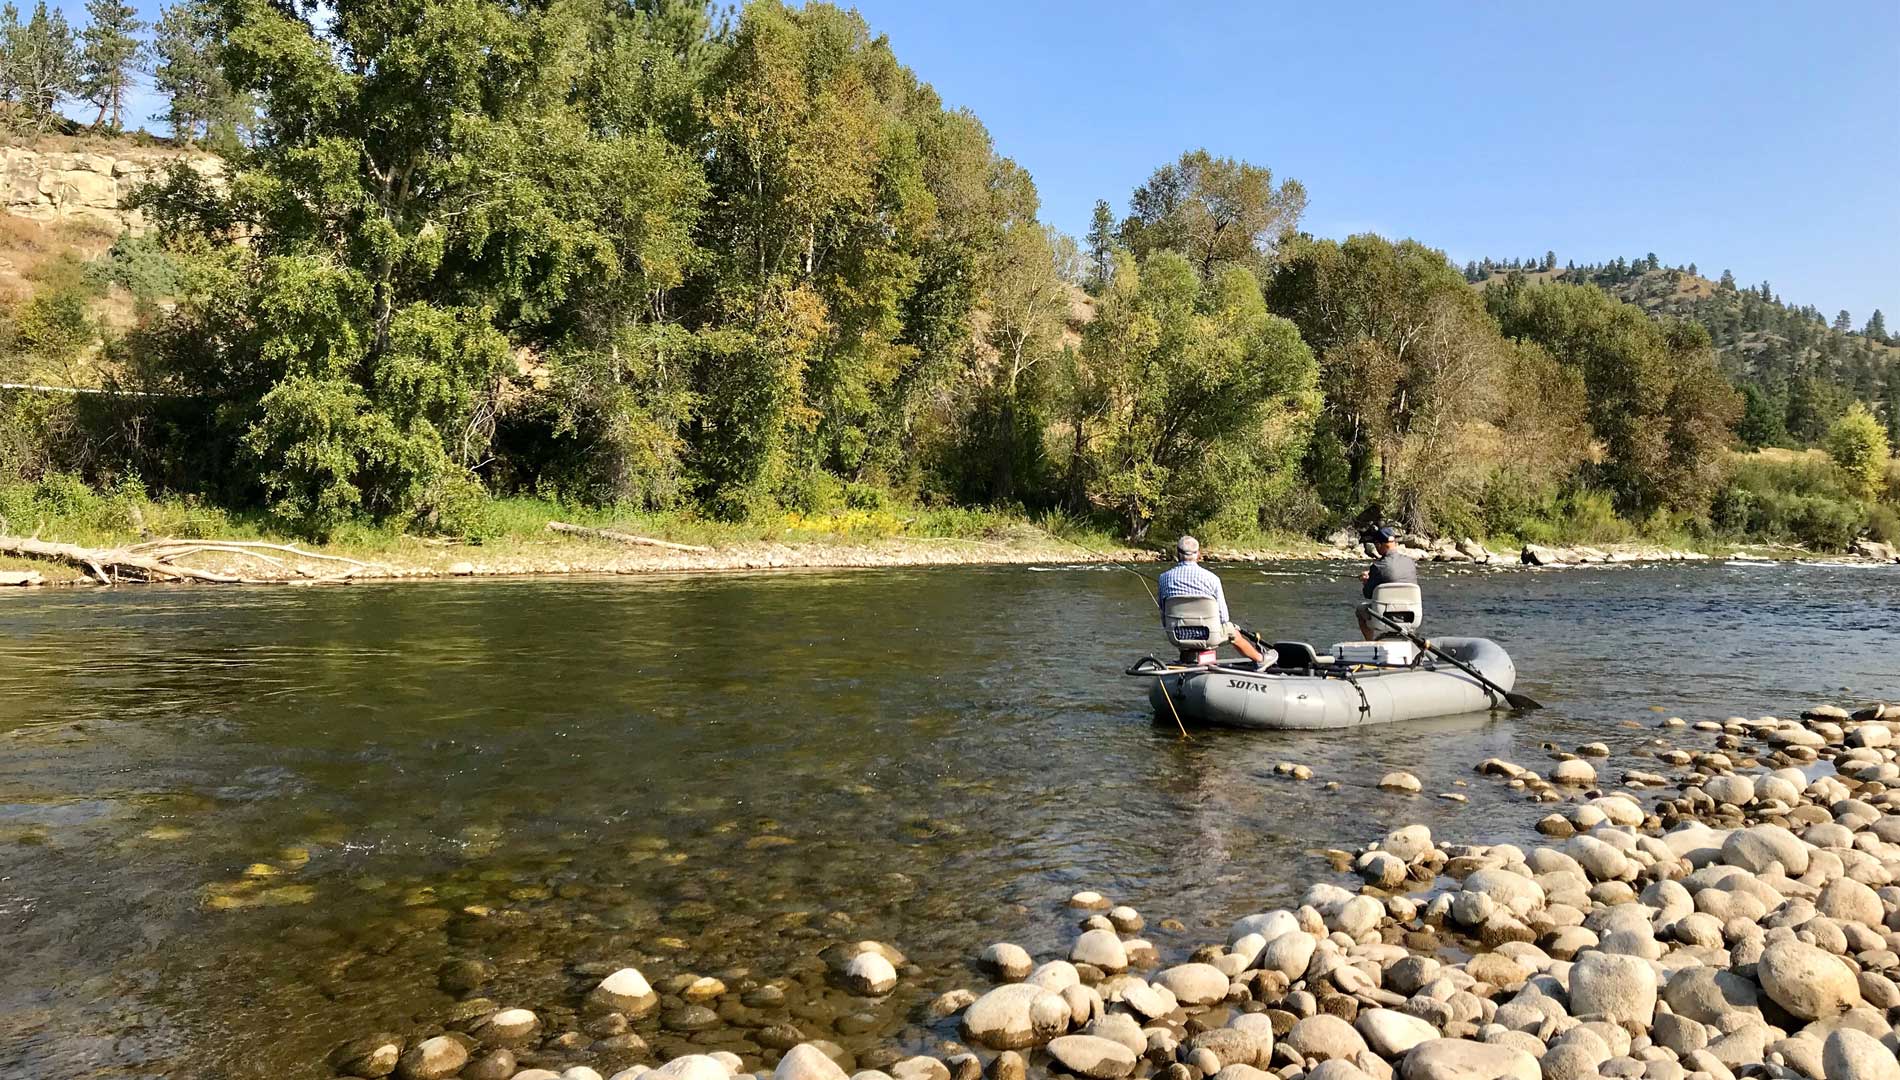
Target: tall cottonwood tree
[{"x": 1212, "y": 211}]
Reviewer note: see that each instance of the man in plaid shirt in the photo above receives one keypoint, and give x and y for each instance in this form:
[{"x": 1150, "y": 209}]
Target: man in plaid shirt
[{"x": 1189, "y": 578}]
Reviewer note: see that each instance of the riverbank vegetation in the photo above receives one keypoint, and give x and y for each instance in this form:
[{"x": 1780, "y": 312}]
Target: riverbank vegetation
[{"x": 652, "y": 263}]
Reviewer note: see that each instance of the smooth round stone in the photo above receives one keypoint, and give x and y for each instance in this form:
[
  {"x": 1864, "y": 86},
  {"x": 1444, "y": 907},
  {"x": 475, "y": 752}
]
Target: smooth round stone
[
  {"x": 807, "y": 1062},
  {"x": 1806, "y": 981},
  {"x": 1126, "y": 919},
  {"x": 1102, "y": 949},
  {"x": 870, "y": 974},
  {"x": 1194, "y": 984},
  {"x": 1089, "y": 900},
  {"x": 1009, "y": 961},
  {"x": 432, "y": 1059},
  {"x": 1092, "y": 1056},
  {"x": 689, "y": 1018},
  {"x": 1016, "y": 1016},
  {"x": 1324, "y": 1036}
]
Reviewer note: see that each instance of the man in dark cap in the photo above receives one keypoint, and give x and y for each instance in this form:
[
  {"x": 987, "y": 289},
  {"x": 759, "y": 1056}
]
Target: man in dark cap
[{"x": 1391, "y": 566}]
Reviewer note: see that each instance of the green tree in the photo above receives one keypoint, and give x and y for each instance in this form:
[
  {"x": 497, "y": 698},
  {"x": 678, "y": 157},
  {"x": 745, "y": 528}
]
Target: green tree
[
  {"x": 1212, "y": 211},
  {"x": 1858, "y": 444},
  {"x": 1876, "y": 328},
  {"x": 1656, "y": 400},
  {"x": 1843, "y": 322},
  {"x": 200, "y": 102},
  {"x": 44, "y": 62},
  {"x": 110, "y": 55},
  {"x": 1101, "y": 240},
  {"x": 1763, "y": 421},
  {"x": 1210, "y": 398}
]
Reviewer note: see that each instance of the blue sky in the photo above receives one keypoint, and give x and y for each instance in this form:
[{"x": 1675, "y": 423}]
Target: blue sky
[{"x": 1760, "y": 137}]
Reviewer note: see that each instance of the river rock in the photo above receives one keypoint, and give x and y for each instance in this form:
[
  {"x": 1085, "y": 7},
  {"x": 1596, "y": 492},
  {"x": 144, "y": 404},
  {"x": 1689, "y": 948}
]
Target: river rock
[
  {"x": 1232, "y": 1046},
  {"x": 1268, "y": 925},
  {"x": 1514, "y": 892},
  {"x": 806, "y": 1061},
  {"x": 1400, "y": 781},
  {"x": 1102, "y": 949},
  {"x": 1092, "y": 1056},
  {"x": 1358, "y": 915},
  {"x": 432, "y": 1059},
  {"x": 1575, "y": 772},
  {"x": 692, "y": 1067},
  {"x": 1707, "y": 995},
  {"x": 371, "y": 1057},
  {"x": 1194, "y": 984},
  {"x": 1390, "y": 1033},
  {"x": 494, "y": 1065},
  {"x": 1739, "y": 790},
  {"x": 1324, "y": 1036},
  {"x": 509, "y": 1027},
  {"x": 1621, "y": 989},
  {"x": 1459, "y": 1059},
  {"x": 1150, "y": 1002},
  {"x": 626, "y": 991},
  {"x": 1381, "y": 868},
  {"x": 1008, "y": 961},
  {"x": 1288, "y": 954},
  {"x": 920, "y": 1067},
  {"x": 1760, "y": 847},
  {"x": 1016, "y": 1016},
  {"x": 1847, "y": 900},
  {"x": 1411, "y": 843},
  {"x": 1805, "y": 981},
  {"x": 1121, "y": 1028},
  {"x": 1855, "y": 1055},
  {"x": 1055, "y": 976},
  {"x": 869, "y": 974}
]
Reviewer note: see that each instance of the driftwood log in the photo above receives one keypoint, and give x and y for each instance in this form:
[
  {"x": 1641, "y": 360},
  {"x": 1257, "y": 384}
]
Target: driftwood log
[
  {"x": 158, "y": 560},
  {"x": 623, "y": 538}
]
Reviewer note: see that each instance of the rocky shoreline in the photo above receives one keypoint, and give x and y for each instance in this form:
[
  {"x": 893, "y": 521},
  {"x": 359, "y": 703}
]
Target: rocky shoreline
[
  {"x": 585, "y": 558},
  {"x": 1743, "y": 923}
]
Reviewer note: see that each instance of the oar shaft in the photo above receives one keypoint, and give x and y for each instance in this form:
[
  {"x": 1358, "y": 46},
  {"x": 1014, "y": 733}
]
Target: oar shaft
[{"x": 1447, "y": 657}]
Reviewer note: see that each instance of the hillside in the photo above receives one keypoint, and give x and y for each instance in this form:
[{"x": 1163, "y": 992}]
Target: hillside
[{"x": 1800, "y": 369}]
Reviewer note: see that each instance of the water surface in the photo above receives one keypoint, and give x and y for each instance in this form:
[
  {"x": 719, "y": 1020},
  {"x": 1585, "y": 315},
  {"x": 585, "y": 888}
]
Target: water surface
[{"x": 710, "y": 773}]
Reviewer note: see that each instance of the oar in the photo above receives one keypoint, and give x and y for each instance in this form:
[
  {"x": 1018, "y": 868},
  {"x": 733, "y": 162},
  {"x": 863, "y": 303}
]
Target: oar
[{"x": 1516, "y": 701}]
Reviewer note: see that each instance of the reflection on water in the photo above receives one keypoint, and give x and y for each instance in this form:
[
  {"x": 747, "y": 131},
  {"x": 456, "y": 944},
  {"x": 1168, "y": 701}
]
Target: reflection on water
[{"x": 237, "y": 826}]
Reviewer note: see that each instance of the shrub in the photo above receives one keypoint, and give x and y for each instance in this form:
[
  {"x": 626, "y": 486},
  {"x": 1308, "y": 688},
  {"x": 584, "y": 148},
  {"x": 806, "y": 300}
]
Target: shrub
[{"x": 1858, "y": 444}]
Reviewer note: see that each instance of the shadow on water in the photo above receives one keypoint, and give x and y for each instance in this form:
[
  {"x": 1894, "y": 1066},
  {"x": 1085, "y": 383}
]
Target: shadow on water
[{"x": 238, "y": 826}]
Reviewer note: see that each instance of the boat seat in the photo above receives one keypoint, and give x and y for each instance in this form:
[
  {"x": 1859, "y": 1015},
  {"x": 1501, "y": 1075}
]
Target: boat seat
[
  {"x": 1401, "y": 602},
  {"x": 1193, "y": 623},
  {"x": 1295, "y": 655}
]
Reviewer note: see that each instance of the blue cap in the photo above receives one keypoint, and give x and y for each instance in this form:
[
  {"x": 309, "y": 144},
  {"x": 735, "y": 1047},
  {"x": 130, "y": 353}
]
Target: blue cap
[{"x": 1385, "y": 534}]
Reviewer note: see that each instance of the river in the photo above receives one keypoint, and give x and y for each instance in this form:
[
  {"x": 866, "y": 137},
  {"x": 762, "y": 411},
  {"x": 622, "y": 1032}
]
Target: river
[{"x": 724, "y": 774}]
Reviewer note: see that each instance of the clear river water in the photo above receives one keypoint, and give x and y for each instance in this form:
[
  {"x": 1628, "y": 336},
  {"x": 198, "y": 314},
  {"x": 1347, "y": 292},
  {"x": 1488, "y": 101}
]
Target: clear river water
[{"x": 240, "y": 826}]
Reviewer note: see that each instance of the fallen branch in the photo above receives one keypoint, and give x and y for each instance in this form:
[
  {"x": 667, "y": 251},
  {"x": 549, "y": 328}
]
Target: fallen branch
[
  {"x": 257, "y": 545},
  {"x": 157, "y": 561},
  {"x": 624, "y": 538}
]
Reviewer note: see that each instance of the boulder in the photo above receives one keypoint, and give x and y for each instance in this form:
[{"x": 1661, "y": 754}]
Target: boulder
[
  {"x": 626, "y": 991},
  {"x": 1194, "y": 984},
  {"x": 1092, "y": 1056},
  {"x": 1400, "y": 781},
  {"x": 1459, "y": 1059},
  {"x": 1101, "y": 949},
  {"x": 1411, "y": 843},
  {"x": 1806, "y": 981},
  {"x": 1760, "y": 847},
  {"x": 1574, "y": 772},
  {"x": 1707, "y": 995},
  {"x": 1855, "y": 1055},
  {"x": 432, "y": 1059},
  {"x": 1016, "y": 1016},
  {"x": 1324, "y": 1036},
  {"x": 807, "y": 1062},
  {"x": 1008, "y": 961},
  {"x": 1288, "y": 954},
  {"x": 1390, "y": 1033},
  {"x": 869, "y": 974},
  {"x": 1847, "y": 900},
  {"x": 1621, "y": 989},
  {"x": 690, "y": 1067}
]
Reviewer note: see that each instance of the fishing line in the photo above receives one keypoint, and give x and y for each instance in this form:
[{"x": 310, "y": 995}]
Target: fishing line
[{"x": 1162, "y": 681}]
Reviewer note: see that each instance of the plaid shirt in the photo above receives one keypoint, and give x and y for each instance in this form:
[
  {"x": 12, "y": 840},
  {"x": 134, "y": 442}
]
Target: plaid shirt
[{"x": 1193, "y": 579}]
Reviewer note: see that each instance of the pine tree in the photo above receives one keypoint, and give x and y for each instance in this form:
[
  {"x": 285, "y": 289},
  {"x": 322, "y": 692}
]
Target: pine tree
[
  {"x": 1550, "y": 260},
  {"x": 1876, "y": 329},
  {"x": 1727, "y": 284},
  {"x": 202, "y": 102},
  {"x": 1844, "y": 323},
  {"x": 44, "y": 63},
  {"x": 1101, "y": 240},
  {"x": 10, "y": 38},
  {"x": 1692, "y": 271},
  {"x": 111, "y": 52}
]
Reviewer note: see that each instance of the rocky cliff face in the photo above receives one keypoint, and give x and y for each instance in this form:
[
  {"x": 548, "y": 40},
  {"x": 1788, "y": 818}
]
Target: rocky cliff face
[{"x": 54, "y": 185}]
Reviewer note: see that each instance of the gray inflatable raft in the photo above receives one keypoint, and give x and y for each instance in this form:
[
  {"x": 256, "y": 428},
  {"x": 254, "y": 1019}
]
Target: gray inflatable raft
[{"x": 1322, "y": 696}]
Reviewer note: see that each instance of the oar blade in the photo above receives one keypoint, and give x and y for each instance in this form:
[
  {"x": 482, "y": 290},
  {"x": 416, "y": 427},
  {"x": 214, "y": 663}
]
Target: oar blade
[{"x": 1521, "y": 703}]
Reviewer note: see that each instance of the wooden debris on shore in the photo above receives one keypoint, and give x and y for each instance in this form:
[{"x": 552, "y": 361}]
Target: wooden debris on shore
[
  {"x": 159, "y": 560},
  {"x": 624, "y": 538}
]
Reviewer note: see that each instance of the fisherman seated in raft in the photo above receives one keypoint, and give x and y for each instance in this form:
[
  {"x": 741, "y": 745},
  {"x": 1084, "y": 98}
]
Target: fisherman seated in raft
[
  {"x": 1390, "y": 568},
  {"x": 1188, "y": 578}
]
